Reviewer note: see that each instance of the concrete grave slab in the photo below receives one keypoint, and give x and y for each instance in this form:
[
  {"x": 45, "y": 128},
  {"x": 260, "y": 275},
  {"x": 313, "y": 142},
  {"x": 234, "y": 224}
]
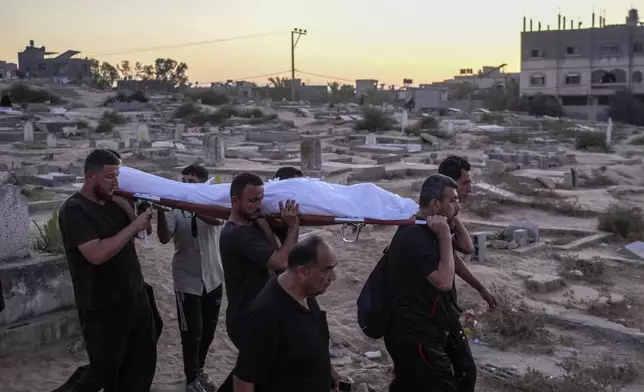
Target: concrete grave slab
[{"x": 636, "y": 249}]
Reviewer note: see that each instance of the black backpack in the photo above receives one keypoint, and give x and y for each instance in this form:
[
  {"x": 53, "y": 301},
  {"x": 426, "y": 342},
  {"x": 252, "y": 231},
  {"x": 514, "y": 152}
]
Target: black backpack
[{"x": 374, "y": 304}]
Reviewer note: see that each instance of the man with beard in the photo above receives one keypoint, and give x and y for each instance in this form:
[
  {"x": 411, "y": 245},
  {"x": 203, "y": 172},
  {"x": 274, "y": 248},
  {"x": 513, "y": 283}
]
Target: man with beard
[
  {"x": 458, "y": 348},
  {"x": 114, "y": 310},
  {"x": 248, "y": 257},
  {"x": 197, "y": 274},
  {"x": 285, "y": 346},
  {"x": 420, "y": 276}
]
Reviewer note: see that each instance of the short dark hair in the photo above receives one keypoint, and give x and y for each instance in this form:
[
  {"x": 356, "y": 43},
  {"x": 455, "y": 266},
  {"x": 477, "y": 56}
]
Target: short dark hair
[
  {"x": 196, "y": 170},
  {"x": 452, "y": 167},
  {"x": 433, "y": 188},
  {"x": 241, "y": 181},
  {"x": 97, "y": 159},
  {"x": 286, "y": 172},
  {"x": 305, "y": 252},
  {"x": 116, "y": 154}
]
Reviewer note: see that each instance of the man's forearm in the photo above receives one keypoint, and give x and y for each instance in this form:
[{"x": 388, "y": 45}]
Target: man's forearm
[
  {"x": 292, "y": 235},
  {"x": 462, "y": 239},
  {"x": 103, "y": 250},
  {"x": 444, "y": 274},
  {"x": 162, "y": 228},
  {"x": 242, "y": 386},
  {"x": 262, "y": 223},
  {"x": 464, "y": 273}
]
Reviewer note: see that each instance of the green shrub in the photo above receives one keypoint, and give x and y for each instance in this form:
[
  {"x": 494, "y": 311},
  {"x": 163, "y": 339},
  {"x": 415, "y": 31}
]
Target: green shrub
[
  {"x": 49, "y": 239},
  {"x": 374, "y": 119},
  {"x": 594, "y": 141},
  {"x": 23, "y": 93}
]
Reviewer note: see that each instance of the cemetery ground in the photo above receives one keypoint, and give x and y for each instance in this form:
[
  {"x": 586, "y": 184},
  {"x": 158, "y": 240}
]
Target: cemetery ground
[{"x": 551, "y": 242}]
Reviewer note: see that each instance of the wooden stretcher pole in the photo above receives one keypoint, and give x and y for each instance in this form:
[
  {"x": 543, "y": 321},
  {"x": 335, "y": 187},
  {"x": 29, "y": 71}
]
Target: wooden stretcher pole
[{"x": 353, "y": 224}]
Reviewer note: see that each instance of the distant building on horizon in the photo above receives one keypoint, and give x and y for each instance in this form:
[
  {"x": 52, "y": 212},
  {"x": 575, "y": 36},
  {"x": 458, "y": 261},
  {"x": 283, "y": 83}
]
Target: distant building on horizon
[
  {"x": 33, "y": 62},
  {"x": 583, "y": 67},
  {"x": 8, "y": 70}
]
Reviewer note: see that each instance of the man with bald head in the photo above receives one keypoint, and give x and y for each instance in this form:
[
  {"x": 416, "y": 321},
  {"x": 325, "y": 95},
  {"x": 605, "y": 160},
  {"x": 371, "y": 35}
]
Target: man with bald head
[{"x": 285, "y": 345}]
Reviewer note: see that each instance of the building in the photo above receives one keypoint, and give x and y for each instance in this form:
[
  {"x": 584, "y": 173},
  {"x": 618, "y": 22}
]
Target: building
[
  {"x": 33, "y": 62},
  {"x": 583, "y": 67},
  {"x": 486, "y": 77},
  {"x": 8, "y": 70},
  {"x": 363, "y": 86},
  {"x": 428, "y": 97}
]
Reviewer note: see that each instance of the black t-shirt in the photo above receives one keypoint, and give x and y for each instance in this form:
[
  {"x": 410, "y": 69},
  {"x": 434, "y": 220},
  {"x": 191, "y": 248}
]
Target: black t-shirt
[
  {"x": 285, "y": 346},
  {"x": 245, "y": 251},
  {"x": 419, "y": 312},
  {"x": 112, "y": 282}
]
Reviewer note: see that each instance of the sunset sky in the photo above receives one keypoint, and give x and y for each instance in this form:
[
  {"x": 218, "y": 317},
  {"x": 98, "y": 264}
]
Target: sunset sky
[{"x": 387, "y": 40}]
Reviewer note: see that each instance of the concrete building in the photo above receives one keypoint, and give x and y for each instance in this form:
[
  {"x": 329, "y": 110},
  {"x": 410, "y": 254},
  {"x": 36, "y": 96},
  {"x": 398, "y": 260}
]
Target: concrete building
[
  {"x": 365, "y": 85},
  {"x": 583, "y": 67},
  {"x": 8, "y": 70},
  {"x": 428, "y": 97},
  {"x": 32, "y": 62},
  {"x": 486, "y": 77}
]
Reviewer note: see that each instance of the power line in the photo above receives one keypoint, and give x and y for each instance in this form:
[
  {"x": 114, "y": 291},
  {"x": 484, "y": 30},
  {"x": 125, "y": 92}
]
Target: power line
[
  {"x": 150, "y": 49},
  {"x": 262, "y": 76},
  {"x": 326, "y": 76}
]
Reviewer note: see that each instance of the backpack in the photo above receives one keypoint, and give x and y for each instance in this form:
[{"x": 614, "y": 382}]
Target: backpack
[{"x": 374, "y": 304}]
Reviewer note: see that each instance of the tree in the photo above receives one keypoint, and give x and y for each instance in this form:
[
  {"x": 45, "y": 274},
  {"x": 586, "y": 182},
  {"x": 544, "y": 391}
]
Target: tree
[
  {"x": 104, "y": 74},
  {"x": 334, "y": 88},
  {"x": 626, "y": 108},
  {"x": 280, "y": 88},
  {"x": 347, "y": 92},
  {"x": 504, "y": 97},
  {"x": 543, "y": 105},
  {"x": 127, "y": 73},
  {"x": 462, "y": 91},
  {"x": 147, "y": 72}
]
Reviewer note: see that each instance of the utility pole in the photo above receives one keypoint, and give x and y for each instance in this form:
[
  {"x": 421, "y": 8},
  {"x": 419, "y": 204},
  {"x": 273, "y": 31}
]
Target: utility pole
[{"x": 294, "y": 42}]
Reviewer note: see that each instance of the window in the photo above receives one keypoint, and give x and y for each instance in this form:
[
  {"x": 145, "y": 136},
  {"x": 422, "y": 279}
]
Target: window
[
  {"x": 638, "y": 47},
  {"x": 537, "y": 80},
  {"x": 609, "y": 50},
  {"x": 536, "y": 53},
  {"x": 637, "y": 77},
  {"x": 573, "y": 79},
  {"x": 572, "y": 51}
]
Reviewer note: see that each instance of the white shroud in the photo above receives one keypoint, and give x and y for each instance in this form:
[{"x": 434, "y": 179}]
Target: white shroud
[{"x": 315, "y": 197}]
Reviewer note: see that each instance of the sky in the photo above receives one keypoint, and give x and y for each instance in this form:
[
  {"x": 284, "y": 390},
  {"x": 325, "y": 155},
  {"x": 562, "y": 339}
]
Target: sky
[{"x": 386, "y": 40}]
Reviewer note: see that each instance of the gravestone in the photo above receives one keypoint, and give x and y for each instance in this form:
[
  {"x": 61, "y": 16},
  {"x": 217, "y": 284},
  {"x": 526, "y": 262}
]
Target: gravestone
[
  {"x": 51, "y": 140},
  {"x": 178, "y": 132},
  {"x": 37, "y": 288},
  {"x": 214, "y": 149},
  {"x": 371, "y": 140},
  {"x": 29, "y": 132},
  {"x": 143, "y": 135},
  {"x": 311, "y": 154}
]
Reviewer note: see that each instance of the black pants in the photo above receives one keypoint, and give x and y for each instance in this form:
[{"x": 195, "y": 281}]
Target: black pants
[
  {"x": 420, "y": 367},
  {"x": 235, "y": 335},
  {"x": 121, "y": 345},
  {"x": 459, "y": 352},
  {"x": 197, "y": 315}
]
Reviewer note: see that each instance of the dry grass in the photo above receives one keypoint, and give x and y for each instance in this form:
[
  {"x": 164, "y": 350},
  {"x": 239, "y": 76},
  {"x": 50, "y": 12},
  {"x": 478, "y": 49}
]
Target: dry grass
[
  {"x": 626, "y": 222},
  {"x": 602, "y": 376},
  {"x": 513, "y": 323},
  {"x": 571, "y": 266}
]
